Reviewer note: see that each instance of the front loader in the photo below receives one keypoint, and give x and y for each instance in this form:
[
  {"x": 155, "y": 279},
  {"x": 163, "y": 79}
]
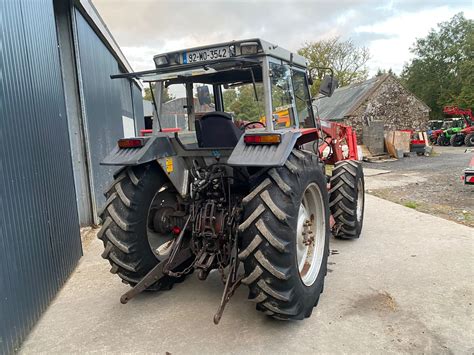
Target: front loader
[{"x": 220, "y": 194}]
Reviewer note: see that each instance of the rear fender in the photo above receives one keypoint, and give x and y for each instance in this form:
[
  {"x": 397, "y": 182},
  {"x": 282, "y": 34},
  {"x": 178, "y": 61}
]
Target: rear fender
[
  {"x": 159, "y": 149},
  {"x": 156, "y": 147},
  {"x": 264, "y": 155}
]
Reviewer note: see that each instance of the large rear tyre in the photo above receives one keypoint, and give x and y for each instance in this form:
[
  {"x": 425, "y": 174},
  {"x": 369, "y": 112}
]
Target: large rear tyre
[
  {"x": 347, "y": 198},
  {"x": 456, "y": 140},
  {"x": 285, "y": 238},
  {"x": 469, "y": 140},
  {"x": 130, "y": 244},
  {"x": 442, "y": 141}
]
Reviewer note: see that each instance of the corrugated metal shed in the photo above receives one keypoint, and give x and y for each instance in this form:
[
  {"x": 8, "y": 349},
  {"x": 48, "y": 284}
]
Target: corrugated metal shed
[
  {"x": 39, "y": 227},
  {"x": 108, "y": 107},
  {"x": 60, "y": 114},
  {"x": 346, "y": 99},
  {"x": 100, "y": 28}
]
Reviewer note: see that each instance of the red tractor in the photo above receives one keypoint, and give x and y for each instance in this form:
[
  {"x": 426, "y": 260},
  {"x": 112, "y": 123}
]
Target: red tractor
[
  {"x": 465, "y": 134},
  {"x": 220, "y": 194}
]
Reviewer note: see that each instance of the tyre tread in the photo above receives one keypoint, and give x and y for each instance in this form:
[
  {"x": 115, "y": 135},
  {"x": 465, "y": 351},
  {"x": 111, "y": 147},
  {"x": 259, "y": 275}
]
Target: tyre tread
[
  {"x": 266, "y": 248},
  {"x": 343, "y": 198}
]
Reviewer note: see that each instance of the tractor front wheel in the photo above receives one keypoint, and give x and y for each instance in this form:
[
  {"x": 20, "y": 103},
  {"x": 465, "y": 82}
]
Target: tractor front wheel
[
  {"x": 285, "y": 238},
  {"x": 469, "y": 140},
  {"x": 457, "y": 140},
  {"x": 347, "y": 198}
]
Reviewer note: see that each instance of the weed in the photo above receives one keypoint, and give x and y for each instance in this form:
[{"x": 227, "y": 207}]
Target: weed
[{"x": 411, "y": 204}]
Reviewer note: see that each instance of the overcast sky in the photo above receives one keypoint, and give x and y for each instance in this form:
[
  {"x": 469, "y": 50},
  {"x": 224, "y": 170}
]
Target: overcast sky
[{"x": 144, "y": 28}]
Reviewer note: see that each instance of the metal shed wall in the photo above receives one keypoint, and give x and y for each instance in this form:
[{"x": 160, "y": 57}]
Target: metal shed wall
[
  {"x": 39, "y": 227},
  {"x": 106, "y": 103}
]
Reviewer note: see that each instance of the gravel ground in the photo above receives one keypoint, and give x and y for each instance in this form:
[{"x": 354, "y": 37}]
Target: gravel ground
[{"x": 427, "y": 184}]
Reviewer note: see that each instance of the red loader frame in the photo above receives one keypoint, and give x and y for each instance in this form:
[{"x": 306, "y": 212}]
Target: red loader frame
[{"x": 336, "y": 135}]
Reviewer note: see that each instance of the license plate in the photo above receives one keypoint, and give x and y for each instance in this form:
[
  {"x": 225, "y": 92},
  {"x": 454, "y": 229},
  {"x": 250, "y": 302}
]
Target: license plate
[{"x": 205, "y": 55}]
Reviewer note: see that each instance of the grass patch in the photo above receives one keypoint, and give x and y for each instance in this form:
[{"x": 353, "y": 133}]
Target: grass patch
[
  {"x": 411, "y": 204},
  {"x": 467, "y": 215}
]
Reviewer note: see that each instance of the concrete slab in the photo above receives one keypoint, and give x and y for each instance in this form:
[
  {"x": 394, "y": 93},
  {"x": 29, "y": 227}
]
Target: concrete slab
[{"x": 405, "y": 286}]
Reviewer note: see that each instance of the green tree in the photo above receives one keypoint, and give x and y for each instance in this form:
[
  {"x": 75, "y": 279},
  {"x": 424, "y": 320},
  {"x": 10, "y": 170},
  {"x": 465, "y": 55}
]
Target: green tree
[
  {"x": 348, "y": 61},
  {"x": 442, "y": 72},
  {"x": 243, "y": 103},
  {"x": 166, "y": 95},
  {"x": 381, "y": 72}
]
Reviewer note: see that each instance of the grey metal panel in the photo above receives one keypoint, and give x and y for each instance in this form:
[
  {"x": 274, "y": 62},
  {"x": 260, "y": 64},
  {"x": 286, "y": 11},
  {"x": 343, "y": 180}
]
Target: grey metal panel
[
  {"x": 147, "y": 108},
  {"x": 343, "y": 100},
  {"x": 39, "y": 229},
  {"x": 93, "y": 15},
  {"x": 138, "y": 108},
  {"x": 264, "y": 155},
  {"x": 126, "y": 97},
  {"x": 101, "y": 99},
  {"x": 63, "y": 10},
  {"x": 154, "y": 148}
]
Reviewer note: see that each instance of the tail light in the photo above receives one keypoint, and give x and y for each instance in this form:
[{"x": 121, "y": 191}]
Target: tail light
[
  {"x": 262, "y": 138},
  {"x": 469, "y": 179},
  {"x": 131, "y": 143}
]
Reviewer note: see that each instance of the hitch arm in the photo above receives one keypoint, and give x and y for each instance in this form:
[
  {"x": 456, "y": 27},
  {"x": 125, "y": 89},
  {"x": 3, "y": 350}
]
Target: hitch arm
[
  {"x": 153, "y": 276},
  {"x": 232, "y": 283},
  {"x": 162, "y": 269}
]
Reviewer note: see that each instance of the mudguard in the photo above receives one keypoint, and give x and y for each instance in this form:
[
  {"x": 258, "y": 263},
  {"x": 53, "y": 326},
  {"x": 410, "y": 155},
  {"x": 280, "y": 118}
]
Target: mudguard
[
  {"x": 264, "y": 155},
  {"x": 155, "y": 147}
]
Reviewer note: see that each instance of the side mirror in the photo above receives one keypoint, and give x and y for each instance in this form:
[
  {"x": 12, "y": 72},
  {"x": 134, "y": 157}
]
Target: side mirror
[
  {"x": 203, "y": 95},
  {"x": 328, "y": 85}
]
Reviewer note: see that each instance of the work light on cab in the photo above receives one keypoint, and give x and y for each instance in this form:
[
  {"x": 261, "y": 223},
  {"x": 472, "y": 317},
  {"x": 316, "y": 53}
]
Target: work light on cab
[
  {"x": 248, "y": 48},
  {"x": 262, "y": 139},
  {"x": 161, "y": 60}
]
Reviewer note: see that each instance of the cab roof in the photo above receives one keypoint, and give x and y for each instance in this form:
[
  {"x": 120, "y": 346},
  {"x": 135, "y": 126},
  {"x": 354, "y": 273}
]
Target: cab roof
[
  {"x": 265, "y": 48},
  {"x": 174, "y": 62}
]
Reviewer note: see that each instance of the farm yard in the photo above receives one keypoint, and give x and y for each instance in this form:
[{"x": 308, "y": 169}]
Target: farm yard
[
  {"x": 199, "y": 189},
  {"x": 427, "y": 184}
]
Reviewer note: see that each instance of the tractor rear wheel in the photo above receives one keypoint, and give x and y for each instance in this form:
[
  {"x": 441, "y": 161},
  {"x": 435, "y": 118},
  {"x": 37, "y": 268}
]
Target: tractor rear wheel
[
  {"x": 469, "y": 140},
  {"x": 285, "y": 238},
  {"x": 129, "y": 233},
  {"x": 346, "y": 198},
  {"x": 456, "y": 140}
]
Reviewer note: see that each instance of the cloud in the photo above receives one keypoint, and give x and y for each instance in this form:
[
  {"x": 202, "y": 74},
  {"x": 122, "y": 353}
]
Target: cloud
[
  {"x": 144, "y": 28},
  {"x": 397, "y": 35}
]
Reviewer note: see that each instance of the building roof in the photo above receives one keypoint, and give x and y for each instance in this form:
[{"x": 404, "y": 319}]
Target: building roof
[
  {"x": 92, "y": 15},
  {"x": 347, "y": 99}
]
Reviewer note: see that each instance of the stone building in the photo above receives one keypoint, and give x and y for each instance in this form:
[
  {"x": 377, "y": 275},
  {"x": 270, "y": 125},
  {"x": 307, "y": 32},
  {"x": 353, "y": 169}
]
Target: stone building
[{"x": 381, "y": 98}]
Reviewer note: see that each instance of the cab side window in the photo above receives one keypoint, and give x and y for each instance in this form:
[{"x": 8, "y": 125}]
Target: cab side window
[{"x": 303, "y": 100}]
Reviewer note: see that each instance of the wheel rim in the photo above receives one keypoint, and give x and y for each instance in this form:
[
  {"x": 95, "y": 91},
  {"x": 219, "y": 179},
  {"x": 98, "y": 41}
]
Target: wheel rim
[
  {"x": 310, "y": 234},
  {"x": 162, "y": 199},
  {"x": 360, "y": 200}
]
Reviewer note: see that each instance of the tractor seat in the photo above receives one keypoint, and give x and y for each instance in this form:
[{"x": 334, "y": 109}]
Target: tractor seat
[{"x": 216, "y": 130}]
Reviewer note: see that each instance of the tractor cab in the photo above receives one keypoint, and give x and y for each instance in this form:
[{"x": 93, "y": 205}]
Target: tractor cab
[{"x": 220, "y": 91}]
